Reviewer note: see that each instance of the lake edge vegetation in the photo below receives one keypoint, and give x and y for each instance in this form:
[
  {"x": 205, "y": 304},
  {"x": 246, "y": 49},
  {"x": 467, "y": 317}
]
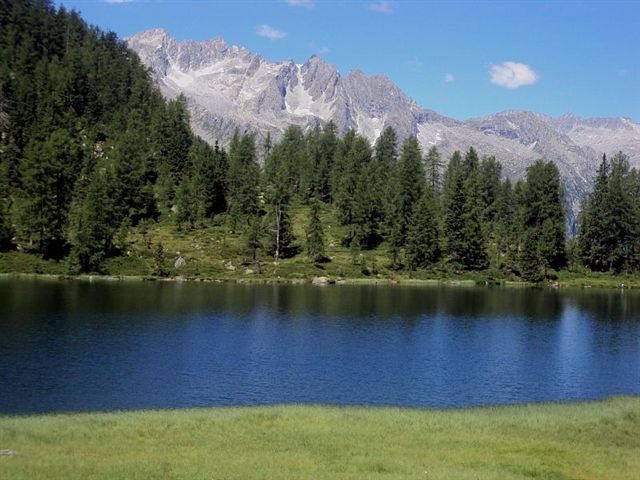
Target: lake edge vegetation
[{"x": 99, "y": 174}]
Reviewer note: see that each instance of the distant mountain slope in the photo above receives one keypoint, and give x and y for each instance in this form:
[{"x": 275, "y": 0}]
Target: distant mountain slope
[{"x": 229, "y": 87}]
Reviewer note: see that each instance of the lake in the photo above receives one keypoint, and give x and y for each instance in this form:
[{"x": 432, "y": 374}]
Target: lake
[{"x": 80, "y": 346}]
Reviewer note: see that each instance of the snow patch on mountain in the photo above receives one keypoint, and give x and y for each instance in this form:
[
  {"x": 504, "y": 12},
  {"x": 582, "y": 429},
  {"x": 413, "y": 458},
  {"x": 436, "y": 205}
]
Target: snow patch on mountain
[{"x": 231, "y": 87}]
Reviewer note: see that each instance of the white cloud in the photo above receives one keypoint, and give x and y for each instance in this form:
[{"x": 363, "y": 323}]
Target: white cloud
[
  {"x": 513, "y": 75},
  {"x": 269, "y": 32},
  {"x": 415, "y": 63},
  {"x": 448, "y": 77},
  {"x": 382, "y": 6},
  {"x": 318, "y": 49},
  {"x": 301, "y": 3}
]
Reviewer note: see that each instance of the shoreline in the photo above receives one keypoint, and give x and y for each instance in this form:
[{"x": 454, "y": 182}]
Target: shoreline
[
  {"x": 608, "y": 282},
  {"x": 478, "y": 408}
]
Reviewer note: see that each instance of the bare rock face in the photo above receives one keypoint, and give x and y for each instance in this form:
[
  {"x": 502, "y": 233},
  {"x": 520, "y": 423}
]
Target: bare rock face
[{"x": 228, "y": 87}]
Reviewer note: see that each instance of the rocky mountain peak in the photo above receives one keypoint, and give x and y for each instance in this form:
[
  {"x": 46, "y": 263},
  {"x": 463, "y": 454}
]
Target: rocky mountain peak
[{"x": 229, "y": 87}]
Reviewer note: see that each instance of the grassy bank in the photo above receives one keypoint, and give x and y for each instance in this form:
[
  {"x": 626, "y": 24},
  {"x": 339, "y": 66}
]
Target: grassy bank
[
  {"x": 213, "y": 252},
  {"x": 595, "y": 440}
]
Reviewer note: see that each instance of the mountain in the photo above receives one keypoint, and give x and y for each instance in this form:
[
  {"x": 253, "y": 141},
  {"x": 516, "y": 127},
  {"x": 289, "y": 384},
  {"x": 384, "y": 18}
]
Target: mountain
[{"x": 229, "y": 87}]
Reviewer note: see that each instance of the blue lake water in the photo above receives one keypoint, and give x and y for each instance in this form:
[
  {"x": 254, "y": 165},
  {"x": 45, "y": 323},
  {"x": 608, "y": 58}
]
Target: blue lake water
[{"x": 79, "y": 346}]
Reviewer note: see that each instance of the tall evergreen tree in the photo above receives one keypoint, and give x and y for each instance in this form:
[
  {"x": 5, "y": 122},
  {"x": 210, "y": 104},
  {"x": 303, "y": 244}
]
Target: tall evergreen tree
[
  {"x": 280, "y": 228},
  {"x": 255, "y": 241},
  {"x": 352, "y": 189},
  {"x": 474, "y": 253},
  {"x": 187, "y": 211},
  {"x": 6, "y": 228},
  {"x": 243, "y": 179},
  {"x": 504, "y": 233},
  {"x": 174, "y": 137},
  {"x": 464, "y": 238},
  {"x": 453, "y": 209},
  {"x": 490, "y": 173},
  {"x": 622, "y": 221},
  {"x": 326, "y": 153},
  {"x": 408, "y": 183},
  {"x": 434, "y": 169},
  {"x": 315, "y": 235},
  {"x": 383, "y": 164},
  {"x": 94, "y": 224},
  {"x": 49, "y": 174},
  {"x": 595, "y": 237},
  {"x": 423, "y": 249},
  {"x": 543, "y": 217}
]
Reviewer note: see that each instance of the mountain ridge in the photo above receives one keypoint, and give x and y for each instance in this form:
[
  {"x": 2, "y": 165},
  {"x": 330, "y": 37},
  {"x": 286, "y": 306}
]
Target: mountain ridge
[{"x": 229, "y": 87}]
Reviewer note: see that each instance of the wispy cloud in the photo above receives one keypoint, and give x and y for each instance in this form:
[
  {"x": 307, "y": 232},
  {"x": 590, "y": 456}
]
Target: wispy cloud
[
  {"x": 300, "y": 3},
  {"x": 118, "y": 1},
  {"x": 448, "y": 77},
  {"x": 415, "y": 63},
  {"x": 381, "y": 6},
  {"x": 319, "y": 49},
  {"x": 513, "y": 75},
  {"x": 269, "y": 32}
]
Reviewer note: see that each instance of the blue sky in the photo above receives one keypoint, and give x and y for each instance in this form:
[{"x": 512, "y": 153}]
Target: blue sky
[{"x": 462, "y": 59}]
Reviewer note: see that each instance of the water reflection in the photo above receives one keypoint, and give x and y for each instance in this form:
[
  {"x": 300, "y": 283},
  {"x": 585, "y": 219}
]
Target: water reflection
[{"x": 81, "y": 346}]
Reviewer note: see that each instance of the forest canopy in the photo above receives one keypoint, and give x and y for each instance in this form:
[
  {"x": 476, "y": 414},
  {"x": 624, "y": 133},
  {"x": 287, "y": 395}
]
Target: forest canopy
[{"x": 89, "y": 149}]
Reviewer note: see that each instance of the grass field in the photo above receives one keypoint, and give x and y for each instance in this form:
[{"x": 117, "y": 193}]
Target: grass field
[{"x": 594, "y": 440}]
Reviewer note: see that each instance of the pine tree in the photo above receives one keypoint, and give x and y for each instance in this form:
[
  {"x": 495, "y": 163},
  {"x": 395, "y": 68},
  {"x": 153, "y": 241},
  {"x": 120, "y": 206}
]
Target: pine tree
[
  {"x": 133, "y": 190},
  {"x": 453, "y": 210},
  {"x": 365, "y": 223},
  {"x": 490, "y": 174},
  {"x": 278, "y": 192},
  {"x": 160, "y": 262},
  {"x": 243, "y": 179},
  {"x": 174, "y": 137},
  {"x": 49, "y": 174},
  {"x": 423, "y": 247},
  {"x": 384, "y": 162},
  {"x": 187, "y": 205},
  {"x": 434, "y": 167},
  {"x": 352, "y": 190},
  {"x": 543, "y": 219},
  {"x": 289, "y": 160},
  {"x": 315, "y": 234},
  {"x": 594, "y": 235},
  {"x": 281, "y": 232},
  {"x": 254, "y": 241},
  {"x": 94, "y": 224},
  {"x": 474, "y": 253},
  {"x": 504, "y": 233},
  {"x": 464, "y": 238},
  {"x": 622, "y": 222},
  {"x": 327, "y": 149},
  {"x": 6, "y": 228},
  {"x": 202, "y": 192},
  {"x": 407, "y": 184},
  {"x": 531, "y": 260}
]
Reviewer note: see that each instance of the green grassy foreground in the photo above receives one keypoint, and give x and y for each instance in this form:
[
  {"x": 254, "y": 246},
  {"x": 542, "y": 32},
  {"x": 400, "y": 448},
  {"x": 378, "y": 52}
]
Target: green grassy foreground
[{"x": 593, "y": 440}]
